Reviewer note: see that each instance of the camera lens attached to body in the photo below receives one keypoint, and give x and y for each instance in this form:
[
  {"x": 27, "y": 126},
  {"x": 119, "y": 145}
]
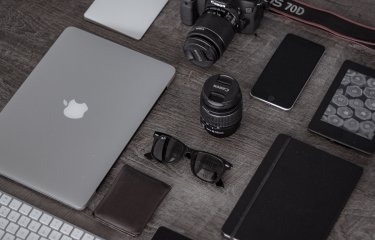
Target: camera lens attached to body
[
  {"x": 209, "y": 38},
  {"x": 215, "y": 24},
  {"x": 221, "y": 105}
]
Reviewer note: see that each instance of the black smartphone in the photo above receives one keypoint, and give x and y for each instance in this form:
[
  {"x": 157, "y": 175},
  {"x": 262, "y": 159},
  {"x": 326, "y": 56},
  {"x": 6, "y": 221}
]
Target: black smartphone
[{"x": 288, "y": 71}]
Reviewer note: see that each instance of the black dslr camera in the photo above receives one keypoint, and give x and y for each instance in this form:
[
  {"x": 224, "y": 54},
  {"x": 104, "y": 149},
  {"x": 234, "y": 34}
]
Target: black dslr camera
[{"x": 216, "y": 22}]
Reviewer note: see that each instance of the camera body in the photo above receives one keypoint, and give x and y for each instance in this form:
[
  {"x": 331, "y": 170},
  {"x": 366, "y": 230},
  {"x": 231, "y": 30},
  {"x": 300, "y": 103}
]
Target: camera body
[
  {"x": 248, "y": 12},
  {"x": 215, "y": 24}
]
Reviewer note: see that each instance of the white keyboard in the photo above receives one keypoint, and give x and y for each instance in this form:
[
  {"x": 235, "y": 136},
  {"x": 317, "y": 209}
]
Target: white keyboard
[{"x": 20, "y": 220}]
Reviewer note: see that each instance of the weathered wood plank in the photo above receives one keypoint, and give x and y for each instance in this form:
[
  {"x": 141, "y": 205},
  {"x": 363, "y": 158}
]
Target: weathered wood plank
[{"x": 29, "y": 28}]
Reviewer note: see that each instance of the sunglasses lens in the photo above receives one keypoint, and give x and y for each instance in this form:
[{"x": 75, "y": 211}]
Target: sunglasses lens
[
  {"x": 167, "y": 149},
  {"x": 208, "y": 167}
]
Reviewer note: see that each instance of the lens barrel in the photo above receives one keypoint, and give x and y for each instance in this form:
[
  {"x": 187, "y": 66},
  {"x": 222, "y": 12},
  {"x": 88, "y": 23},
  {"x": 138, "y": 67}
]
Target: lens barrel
[
  {"x": 208, "y": 39},
  {"x": 221, "y": 105}
]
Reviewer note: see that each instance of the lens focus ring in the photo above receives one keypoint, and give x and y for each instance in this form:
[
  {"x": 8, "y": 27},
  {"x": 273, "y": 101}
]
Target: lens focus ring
[{"x": 221, "y": 121}]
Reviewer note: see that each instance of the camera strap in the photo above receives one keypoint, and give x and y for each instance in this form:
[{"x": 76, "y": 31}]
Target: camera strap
[{"x": 326, "y": 20}]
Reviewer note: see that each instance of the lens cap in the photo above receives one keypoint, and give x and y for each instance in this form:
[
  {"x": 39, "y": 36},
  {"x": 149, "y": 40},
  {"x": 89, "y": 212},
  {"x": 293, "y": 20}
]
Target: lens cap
[
  {"x": 221, "y": 92},
  {"x": 200, "y": 52}
]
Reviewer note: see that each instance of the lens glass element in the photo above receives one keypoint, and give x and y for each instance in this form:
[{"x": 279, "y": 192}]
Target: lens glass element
[
  {"x": 167, "y": 149},
  {"x": 208, "y": 167}
]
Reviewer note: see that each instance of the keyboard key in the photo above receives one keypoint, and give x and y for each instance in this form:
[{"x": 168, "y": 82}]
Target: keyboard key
[
  {"x": 24, "y": 221},
  {"x": 22, "y": 233},
  {"x": 15, "y": 204},
  {"x": 45, "y": 219},
  {"x": 55, "y": 235},
  {"x": 88, "y": 237},
  {"x": 25, "y": 209},
  {"x": 56, "y": 224},
  {"x": 34, "y": 226},
  {"x": 12, "y": 228},
  {"x": 4, "y": 211},
  {"x": 66, "y": 229},
  {"x": 35, "y": 214},
  {"x": 76, "y": 234},
  {"x": 32, "y": 236},
  {"x": 5, "y": 199},
  {"x": 14, "y": 216},
  {"x": 3, "y": 223},
  {"x": 8, "y": 237},
  {"x": 66, "y": 238},
  {"x": 44, "y": 231}
]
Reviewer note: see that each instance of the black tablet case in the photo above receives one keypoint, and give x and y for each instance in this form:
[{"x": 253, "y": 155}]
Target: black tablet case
[{"x": 297, "y": 192}]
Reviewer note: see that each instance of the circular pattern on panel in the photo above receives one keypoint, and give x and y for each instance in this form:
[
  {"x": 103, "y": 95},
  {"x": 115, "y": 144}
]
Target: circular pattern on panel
[{"x": 353, "y": 106}]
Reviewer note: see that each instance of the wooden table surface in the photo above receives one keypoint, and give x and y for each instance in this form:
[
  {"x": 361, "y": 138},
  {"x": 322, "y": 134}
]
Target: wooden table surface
[{"x": 29, "y": 27}]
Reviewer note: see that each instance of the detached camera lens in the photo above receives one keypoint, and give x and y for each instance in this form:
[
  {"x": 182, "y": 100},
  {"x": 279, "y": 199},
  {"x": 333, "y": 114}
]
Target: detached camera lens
[{"x": 221, "y": 105}]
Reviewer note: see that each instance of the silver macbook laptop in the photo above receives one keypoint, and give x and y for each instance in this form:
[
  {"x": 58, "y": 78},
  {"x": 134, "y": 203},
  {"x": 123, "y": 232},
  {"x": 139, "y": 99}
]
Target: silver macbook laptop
[
  {"x": 70, "y": 120},
  {"x": 129, "y": 17}
]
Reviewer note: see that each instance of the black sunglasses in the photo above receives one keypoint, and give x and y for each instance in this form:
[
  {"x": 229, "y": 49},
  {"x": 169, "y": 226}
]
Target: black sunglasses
[{"x": 206, "y": 166}]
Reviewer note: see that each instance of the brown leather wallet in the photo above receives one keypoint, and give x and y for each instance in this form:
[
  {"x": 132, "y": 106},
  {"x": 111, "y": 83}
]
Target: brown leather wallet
[{"x": 131, "y": 201}]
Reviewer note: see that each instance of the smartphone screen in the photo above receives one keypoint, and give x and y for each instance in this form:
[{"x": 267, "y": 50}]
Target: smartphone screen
[{"x": 286, "y": 74}]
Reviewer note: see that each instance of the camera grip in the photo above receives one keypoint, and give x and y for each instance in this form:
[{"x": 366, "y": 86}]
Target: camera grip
[{"x": 188, "y": 11}]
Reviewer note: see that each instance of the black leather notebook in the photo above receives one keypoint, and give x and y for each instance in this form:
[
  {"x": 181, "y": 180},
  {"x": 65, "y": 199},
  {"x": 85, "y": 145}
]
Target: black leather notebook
[{"x": 297, "y": 192}]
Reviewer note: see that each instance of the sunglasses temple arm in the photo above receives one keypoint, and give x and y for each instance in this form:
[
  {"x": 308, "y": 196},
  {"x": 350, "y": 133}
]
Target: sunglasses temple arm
[
  {"x": 148, "y": 156},
  {"x": 220, "y": 183}
]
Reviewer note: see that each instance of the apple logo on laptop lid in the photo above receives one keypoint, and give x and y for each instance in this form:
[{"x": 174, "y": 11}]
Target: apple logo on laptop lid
[{"x": 74, "y": 110}]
